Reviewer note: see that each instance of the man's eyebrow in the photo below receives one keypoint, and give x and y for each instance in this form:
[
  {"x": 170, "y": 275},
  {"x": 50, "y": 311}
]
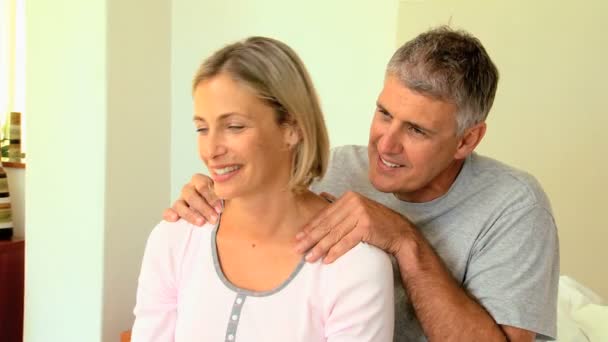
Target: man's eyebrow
[
  {"x": 381, "y": 107},
  {"x": 407, "y": 122}
]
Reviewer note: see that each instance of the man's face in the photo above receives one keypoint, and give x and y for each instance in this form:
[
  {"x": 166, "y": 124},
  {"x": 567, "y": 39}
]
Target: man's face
[{"x": 412, "y": 144}]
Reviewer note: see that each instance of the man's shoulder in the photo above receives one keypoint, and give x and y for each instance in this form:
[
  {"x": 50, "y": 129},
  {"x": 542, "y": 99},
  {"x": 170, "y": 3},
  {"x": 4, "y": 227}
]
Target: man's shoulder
[
  {"x": 502, "y": 180},
  {"x": 349, "y": 154},
  {"x": 347, "y": 170}
]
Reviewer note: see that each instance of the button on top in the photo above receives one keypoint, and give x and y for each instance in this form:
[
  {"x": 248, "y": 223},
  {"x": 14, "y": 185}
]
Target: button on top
[{"x": 235, "y": 317}]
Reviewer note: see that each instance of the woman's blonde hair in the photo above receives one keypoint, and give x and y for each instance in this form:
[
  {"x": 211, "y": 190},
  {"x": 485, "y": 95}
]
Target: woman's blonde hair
[{"x": 278, "y": 76}]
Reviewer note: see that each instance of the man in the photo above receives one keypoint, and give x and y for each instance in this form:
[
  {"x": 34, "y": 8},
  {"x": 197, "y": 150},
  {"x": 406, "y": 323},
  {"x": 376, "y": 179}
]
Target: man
[{"x": 474, "y": 241}]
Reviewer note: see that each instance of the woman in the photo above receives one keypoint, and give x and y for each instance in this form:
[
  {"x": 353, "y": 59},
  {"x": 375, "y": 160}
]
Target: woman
[{"x": 262, "y": 137}]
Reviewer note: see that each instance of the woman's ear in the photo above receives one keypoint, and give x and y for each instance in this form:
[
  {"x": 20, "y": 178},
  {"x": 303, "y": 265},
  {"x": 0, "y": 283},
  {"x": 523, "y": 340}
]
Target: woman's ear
[{"x": 292, "y": 135}]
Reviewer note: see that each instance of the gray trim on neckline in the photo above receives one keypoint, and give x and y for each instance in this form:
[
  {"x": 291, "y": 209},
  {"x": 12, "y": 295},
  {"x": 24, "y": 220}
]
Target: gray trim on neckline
[{"x": 229, "y": 285}]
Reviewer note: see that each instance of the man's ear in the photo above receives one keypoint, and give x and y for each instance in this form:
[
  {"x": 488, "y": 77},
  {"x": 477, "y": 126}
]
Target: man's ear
[{"x": 469, "y": 140}]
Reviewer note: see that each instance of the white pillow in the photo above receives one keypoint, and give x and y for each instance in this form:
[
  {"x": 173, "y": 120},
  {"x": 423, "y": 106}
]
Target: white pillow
[{"x": 580, "y": 313}]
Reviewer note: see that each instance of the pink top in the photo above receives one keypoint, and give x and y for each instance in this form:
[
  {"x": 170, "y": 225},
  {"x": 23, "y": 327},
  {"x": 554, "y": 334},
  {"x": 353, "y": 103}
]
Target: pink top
[{"x": 184, "y": 296}]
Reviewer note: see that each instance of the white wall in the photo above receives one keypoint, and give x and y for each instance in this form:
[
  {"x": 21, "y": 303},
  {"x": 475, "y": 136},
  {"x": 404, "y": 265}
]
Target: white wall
[
  {"x": 344, "y": 44},
  {"x": 65, "y": 184},
  {"x": 549, "y": 117},
  {"x": 98, "y": 166}
]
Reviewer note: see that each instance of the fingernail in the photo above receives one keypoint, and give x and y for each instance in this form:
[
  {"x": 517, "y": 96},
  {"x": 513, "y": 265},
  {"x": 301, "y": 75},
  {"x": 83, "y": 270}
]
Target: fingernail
[
  {"x": 213, "y": 219},
  {"x": 300, "y": 235},
  {"x": 218, "y": 208},
  {"x": 308, "y": 256}
]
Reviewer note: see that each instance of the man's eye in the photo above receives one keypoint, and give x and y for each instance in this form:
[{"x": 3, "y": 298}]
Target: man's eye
[
  {"x": 417, "y": 130},
  {"x": 202, "y": 130},
  {"x": 384, "y": 114},
  {"x": 235, "y": 127}
]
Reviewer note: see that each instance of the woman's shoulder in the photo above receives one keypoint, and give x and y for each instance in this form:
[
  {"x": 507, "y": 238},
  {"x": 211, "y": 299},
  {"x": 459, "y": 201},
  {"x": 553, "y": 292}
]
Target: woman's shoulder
[
  {"x": 364, "y": 254},
  {"x": 176, "y": 236},
  {"x": 361, "y": 264},
  {"x": 357, "y": 290}
]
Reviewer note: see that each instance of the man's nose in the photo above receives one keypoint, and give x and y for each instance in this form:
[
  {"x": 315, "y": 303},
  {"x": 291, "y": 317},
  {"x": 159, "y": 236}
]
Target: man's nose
[{"x": 391, "y": 141}]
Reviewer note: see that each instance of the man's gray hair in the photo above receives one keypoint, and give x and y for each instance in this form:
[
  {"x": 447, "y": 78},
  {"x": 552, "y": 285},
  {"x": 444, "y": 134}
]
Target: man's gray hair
[{"x": 449, "y": 65}]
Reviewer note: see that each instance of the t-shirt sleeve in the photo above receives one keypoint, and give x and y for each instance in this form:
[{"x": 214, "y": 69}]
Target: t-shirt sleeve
[
  {"x": 156, "y": 307},
  {"x": 514, "y": 271},
  {"x": 359, "y": 303}
]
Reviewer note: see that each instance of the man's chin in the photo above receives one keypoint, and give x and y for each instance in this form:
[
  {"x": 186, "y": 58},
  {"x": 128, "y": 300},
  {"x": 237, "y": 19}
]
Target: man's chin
[{"x": 381, "y": 186}]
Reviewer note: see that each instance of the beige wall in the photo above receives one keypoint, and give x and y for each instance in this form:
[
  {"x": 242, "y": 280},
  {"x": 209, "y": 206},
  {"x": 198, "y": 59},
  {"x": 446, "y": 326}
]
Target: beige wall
[
  {"x": 138, "y": 147},
  {"x": 549, "y": 116}
]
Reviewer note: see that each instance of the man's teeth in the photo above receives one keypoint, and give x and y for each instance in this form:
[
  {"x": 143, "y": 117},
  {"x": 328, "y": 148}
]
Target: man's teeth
[
  {"x": 225, "y": 170},
  {"x": 388, "y": 163}
]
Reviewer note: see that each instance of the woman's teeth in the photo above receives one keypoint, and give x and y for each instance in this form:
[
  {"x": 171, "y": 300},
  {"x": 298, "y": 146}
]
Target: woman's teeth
[{"x": 226, "y": 170}]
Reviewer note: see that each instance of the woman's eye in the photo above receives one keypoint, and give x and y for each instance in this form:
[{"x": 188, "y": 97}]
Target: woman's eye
[
  {"x": 235, "y": 127},
  {"x": 202, "y": 130}
]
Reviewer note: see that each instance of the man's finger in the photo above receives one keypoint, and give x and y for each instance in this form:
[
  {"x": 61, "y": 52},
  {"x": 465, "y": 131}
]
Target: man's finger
[
  {"x": 333, "y": 236},
  {"x": 197, "y": 202},
  {"x": 344, "y": 245},
  {"x": 320, "y": 226},
  {"x": 170, "y": 215},
  {"x": 208, "y": 193},
  {"x": 328, "y": 213},
  {"x": 183, "y": 210},
  {"x": 203, "y": 185},
  {"x": 307, "y": 240},
  {"x": 329, "y": 197}
]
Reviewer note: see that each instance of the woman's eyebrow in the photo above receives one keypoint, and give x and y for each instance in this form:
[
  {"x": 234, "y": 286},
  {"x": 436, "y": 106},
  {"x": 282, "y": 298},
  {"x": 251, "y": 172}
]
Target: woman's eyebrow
[{"x": 222, "y": 117}]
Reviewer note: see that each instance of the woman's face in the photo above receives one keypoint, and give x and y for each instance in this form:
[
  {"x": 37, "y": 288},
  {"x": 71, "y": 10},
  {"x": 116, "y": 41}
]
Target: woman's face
[{"x": 239, "y": 139}]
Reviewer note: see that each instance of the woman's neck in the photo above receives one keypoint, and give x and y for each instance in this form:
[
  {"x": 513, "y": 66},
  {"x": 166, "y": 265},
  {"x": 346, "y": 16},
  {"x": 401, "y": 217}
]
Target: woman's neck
[{"x": 269, "y": 216}]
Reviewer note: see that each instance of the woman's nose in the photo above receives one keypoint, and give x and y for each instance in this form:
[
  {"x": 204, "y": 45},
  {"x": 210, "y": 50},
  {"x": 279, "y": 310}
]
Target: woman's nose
[{"x": 212, "y": 145}]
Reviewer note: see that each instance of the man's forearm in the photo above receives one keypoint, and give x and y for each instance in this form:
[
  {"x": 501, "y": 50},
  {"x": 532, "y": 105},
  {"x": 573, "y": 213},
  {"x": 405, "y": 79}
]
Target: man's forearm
[{"x": 445, "y": 311}]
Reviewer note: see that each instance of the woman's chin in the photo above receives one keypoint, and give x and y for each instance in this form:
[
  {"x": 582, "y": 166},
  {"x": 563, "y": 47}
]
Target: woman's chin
[{"x": 224, "y": 193}]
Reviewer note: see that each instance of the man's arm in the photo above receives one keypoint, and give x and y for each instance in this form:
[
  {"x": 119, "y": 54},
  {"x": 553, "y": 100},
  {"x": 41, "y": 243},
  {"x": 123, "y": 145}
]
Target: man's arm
[{"x": 445, "y": 311}]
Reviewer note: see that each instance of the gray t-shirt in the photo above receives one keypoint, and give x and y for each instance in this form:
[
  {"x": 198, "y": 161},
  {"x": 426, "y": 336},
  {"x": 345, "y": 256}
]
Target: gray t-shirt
[{"x": 494, "y": 230}]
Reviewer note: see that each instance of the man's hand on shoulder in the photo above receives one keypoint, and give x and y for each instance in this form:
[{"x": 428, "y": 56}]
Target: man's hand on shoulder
[
  {"x": 349, "y": 220},
  {"x": 197, "y": 202}
]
